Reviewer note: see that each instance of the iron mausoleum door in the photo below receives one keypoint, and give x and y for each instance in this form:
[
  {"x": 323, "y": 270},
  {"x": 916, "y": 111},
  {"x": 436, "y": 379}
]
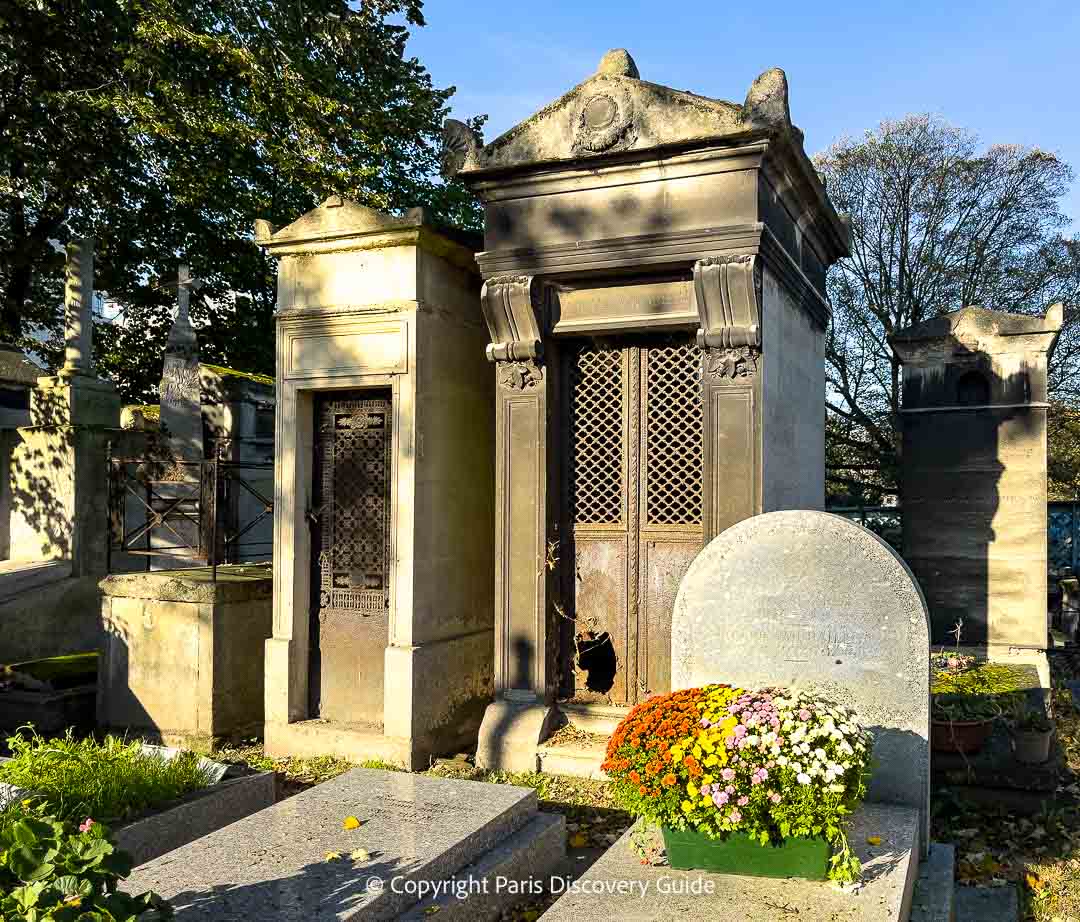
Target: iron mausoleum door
[
  {"x": 351, "y": 503},
  {"x": 634, "y": 484}
]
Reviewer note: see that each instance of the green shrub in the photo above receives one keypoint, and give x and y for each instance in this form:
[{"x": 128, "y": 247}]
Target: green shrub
[
  {"x": 51, "y": 871},
  {"x": 112, "y": 780}
]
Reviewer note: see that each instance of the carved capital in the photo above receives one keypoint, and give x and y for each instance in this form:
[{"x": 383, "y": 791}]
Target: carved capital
[
  {"x": 520, "y": 376},
  {"x": 513, "y": 311},
  {"x": 729, "y": 364},
  {"x": 728, "y": 290}
]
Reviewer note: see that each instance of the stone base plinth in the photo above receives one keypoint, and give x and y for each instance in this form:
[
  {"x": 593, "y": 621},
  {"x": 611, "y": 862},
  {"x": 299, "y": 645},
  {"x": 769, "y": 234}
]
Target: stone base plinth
[
  {"x": 618, "y": 887},
  {"x": 183, "y": 653},
  {"x": 511, "y": 734}
]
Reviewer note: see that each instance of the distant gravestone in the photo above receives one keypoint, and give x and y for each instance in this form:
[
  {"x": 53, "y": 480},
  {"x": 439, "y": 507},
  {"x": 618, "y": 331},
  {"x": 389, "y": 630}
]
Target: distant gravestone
[
  {"x": 811, "y": 600},
  {"x": 180, "y": 391}
]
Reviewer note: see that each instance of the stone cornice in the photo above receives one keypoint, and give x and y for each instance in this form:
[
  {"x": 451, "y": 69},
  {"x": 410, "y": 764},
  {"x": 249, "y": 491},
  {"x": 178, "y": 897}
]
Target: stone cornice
[{"x": 666, "y": 251}]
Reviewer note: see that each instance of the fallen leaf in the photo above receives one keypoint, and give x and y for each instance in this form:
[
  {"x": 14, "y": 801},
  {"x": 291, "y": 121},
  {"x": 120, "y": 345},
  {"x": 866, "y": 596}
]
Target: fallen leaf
[
  {"x": 333, "y": 856},
  {"x": 431, "y": 910},
  {"x": 577, "y": 840},
  {"x": 873, "y": 840},
  {"x": 361, "y": 854},
  {"x": 350, "y": 822}
]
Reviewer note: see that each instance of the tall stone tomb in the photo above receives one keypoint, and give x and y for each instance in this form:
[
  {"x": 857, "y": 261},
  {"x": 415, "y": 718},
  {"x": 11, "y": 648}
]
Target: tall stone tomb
[
  {"x": 974, "y": 472},
  {"x": 58, "y": 470},
  {"x": 654, "y": 272},
  {"x": 383, "y": 521}
]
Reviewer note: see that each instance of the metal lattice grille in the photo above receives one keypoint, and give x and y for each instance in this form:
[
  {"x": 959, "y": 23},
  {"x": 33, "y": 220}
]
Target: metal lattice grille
[
  {"x": 596, "y": 433},
  {"x": 673, "y": 435},
  {"x": 354, "y": 563}
]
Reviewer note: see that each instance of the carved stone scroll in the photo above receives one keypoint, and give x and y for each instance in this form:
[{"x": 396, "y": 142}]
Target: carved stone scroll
[
  {"x": 728, "y": 300},
  {"x": 513, "y": 313}
]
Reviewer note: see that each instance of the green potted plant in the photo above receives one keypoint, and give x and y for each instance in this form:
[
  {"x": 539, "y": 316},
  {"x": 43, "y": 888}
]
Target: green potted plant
[
  {"x": 1032, "y": 731},
  {"x": 961, "y": 722},
  {"x": 747, "y": 782}
]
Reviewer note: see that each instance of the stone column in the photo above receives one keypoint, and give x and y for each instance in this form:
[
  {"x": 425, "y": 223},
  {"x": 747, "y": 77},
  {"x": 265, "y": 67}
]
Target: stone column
[
  {"x": 78, "y": 307},
  {"x": 526, "y": 543},
  {"x": 58, "y": 478},
  {"x": 727, "y": 290}
]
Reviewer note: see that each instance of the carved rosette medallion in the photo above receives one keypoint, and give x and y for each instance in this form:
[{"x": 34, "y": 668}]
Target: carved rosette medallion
[
  {"x": 520, "y": 376},
  {"x": 731, "y": 364},
  {"x": 604, "y": 121}
]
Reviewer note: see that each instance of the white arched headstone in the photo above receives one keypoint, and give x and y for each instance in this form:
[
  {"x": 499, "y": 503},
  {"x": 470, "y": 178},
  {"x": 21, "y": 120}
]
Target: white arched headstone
[{"x": 811, "y": 600}]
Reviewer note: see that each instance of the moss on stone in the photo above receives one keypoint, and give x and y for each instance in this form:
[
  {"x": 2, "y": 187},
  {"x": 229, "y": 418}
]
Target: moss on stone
[
  {"x": 986, "y": 679},
  {"x": 224, "y": 372}
]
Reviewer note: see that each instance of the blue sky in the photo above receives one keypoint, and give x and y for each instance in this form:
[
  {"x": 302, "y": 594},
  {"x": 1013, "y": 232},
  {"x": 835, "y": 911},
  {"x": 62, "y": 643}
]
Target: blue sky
[{"x": 1005, "y": 70}]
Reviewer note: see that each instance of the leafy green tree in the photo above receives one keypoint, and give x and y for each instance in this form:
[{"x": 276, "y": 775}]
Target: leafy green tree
[
  {"x": 937, "y": 223},
  {"x": 163, "y": 128}
]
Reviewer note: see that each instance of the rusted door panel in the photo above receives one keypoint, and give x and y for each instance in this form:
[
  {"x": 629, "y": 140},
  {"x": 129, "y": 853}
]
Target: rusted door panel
[
  {"x": 351, "y": 569},
  {"x": 601, "y": 619},
  {"x": 634, "y": 422},
  {"x": 664, "y": 562}
]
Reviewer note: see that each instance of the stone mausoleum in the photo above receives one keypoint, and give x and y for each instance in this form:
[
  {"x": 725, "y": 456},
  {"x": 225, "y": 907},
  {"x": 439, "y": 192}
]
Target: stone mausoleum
[
  {"x": 654, "y": 274},
  {"x": 383, "y": 498},
  {"x": 973, "y": 473}
]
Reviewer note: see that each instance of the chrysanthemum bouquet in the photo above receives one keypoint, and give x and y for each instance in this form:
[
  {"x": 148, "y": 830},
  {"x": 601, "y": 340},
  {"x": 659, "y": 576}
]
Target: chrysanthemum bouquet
[{"x": 770, "y": 764}]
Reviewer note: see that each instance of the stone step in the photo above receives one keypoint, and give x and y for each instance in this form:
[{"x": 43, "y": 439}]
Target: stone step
[
  {"x": 511, "y": 872},
  {"x": 934, "y": 899},
  {"x": 602, "y": 719},
  {"x": 580, "y": 760},
  {"x": 273, "y": 864},
  {"x": 987, "y": 904}
]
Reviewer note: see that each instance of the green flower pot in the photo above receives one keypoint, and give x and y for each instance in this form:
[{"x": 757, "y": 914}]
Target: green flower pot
[{"x": 688, "y": 849}]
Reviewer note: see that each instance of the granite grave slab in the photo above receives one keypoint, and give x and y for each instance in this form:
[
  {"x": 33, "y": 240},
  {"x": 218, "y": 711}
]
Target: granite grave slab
[{"x": 415, "y": 832}]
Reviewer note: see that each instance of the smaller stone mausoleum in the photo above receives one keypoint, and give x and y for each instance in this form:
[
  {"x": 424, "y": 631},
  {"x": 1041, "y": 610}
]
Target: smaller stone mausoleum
[
  {"x": 973, "y": 477},
  {"x": 383, "y": 493}
]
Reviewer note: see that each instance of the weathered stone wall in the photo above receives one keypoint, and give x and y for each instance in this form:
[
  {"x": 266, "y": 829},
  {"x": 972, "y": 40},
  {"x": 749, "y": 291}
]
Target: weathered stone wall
[{"x": 793, "y": 412}]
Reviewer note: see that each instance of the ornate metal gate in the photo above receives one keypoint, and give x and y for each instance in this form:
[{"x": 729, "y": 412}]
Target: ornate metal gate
[
  {"x": 351, "y": 518},
  {"x": 634, "y": 485}
]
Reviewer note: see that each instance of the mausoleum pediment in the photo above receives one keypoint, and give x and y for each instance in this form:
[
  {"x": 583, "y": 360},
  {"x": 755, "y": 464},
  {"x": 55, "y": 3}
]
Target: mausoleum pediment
[
  {"x": 614, "y": 111},
  {"x": 336, "y": 217}
]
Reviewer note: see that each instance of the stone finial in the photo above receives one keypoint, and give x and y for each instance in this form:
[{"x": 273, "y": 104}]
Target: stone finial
[
  {"x": 460, "y": 145},
  {"x": 767, "y": 102},
  {"x": 78, "y": 308},
  {"x": 618, "y": 63},
  {"x": 264, "y": 230}
]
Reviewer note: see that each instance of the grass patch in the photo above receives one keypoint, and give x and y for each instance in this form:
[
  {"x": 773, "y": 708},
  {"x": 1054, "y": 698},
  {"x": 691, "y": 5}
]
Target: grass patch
[{"x": 110, "y": 781}]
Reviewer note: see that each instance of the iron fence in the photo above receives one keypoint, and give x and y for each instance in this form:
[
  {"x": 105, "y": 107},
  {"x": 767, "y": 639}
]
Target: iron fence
[{"x": 191, "y": 512}]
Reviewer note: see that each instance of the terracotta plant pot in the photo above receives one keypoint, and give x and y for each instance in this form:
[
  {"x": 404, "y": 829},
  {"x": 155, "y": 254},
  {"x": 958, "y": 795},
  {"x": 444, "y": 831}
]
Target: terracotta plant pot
[
  {"x": 965, "y": 736},
  {"x": 1032, "y": 746}
]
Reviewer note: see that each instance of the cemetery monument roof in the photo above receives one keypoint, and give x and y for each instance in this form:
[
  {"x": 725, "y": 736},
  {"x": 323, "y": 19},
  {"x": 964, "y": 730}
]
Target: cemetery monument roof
[{"x": 614, "y": 110}]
